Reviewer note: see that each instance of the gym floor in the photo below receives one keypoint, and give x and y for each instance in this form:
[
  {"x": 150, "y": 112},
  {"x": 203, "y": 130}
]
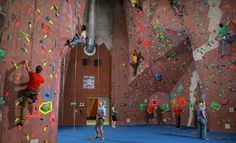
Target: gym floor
[{"x": 141, "y": 134}]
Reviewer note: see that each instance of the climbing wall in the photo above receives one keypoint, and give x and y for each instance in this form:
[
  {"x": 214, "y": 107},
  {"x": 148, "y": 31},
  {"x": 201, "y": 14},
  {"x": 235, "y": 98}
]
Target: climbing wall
[
  {"x": 34, "y": 31},
  {"x": 199, "y": 75}
]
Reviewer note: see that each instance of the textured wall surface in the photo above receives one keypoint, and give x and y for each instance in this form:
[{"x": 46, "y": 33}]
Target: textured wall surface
[
  {"x": 34, "y": 31},
  {"x": 208, "y": 77},
  {"x": 74, "y": 84}
]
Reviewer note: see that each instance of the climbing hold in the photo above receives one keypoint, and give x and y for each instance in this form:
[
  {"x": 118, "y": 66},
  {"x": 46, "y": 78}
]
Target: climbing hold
[
  {"x": 17, "y": 23},
  {"x": 215, "y": 105},
  {"x": 48, "y": 19},
  {"x": 45, "y": 128},
  {"x": 25, "y": 50},
  {"x": 46, "y": 107},
  {"x": 2, "y": 53},
  {"x": 27, "y": 137},
  {"x": 142, "y": 106},
  {"x": 182, "y": 101},
  {"x": 45, "y": 27},
  {"x": 48, "y": 95},
  {"x": 180, "y": 89},
  {"x": 162, "y": 38},
  {"x": 1, "y": 101},
  {"x": 224, "y": 101},
  {"x": 30, "y": 25},
  {"x": 15, "y": 65},
  {"x": 164, "y": 107},
  {"x": 158, "y": 76}
]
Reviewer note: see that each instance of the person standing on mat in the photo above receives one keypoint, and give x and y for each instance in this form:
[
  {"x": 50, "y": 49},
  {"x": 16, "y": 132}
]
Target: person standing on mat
[
  {"x": 29, "y": 95},
  {"x": 100, "y": 118},
  {"x": 202, "y": 121},
  {"x": 113, "y": 116},
  {"x": 150, "y": 114},
  {"x": 177, "y": 113},
  {"x": 159, "y": 115}
]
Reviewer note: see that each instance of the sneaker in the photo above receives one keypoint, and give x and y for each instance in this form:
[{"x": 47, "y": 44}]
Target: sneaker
[
  {"x": 71, "y": 45},
  {"x": 97, "y": 137},
  {"x": 67, "y": 43},
  {"x": 102, "y": 139},
  {"x": 233, "y": 62}
]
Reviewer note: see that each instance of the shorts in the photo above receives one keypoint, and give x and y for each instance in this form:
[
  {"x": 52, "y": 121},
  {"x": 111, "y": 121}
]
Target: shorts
[
  {"x": 114, "y": 118},
  {"x": 150, "y": 115},
  {"x": 99, "y": 122}
]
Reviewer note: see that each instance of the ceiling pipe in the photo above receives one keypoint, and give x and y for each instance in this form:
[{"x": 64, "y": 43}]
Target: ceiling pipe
[{"x": 90, "y": 49}]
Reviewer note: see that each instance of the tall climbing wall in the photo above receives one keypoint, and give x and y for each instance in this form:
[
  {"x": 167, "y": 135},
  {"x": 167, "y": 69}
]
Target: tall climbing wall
[
  {"x": 159, "y": 34},
  {"x": 35, "y": 31}
]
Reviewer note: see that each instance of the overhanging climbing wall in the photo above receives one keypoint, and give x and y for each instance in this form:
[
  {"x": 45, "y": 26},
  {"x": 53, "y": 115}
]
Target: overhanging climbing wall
[
  {"x": 35, "y": 31},
  {"x": 154, "y": 32}
]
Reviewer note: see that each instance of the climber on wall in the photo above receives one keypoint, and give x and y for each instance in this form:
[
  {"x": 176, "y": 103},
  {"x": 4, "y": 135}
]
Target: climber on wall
[
  {"x": 178, "y": 7},
  {"x": 137, "y": 58},
  {"x": 188, "y": 44},
  {"x": 79, "y": 38},
  {"x": 225, "y": 37},
  {"x": 137, "y": 4},
  {"x": 29, "y": 95}
]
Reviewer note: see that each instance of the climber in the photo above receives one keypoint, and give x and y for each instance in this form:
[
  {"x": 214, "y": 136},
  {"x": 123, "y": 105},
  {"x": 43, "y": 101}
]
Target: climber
[
  {"x": 79, "y": 38},
  {"x": 225, "y": 37},
  {"x": 29, "y": 95},
  {"x": 137, "y": 58},
  {"x": 137, "y": 4},
  {"x": 178, "y": 7}
]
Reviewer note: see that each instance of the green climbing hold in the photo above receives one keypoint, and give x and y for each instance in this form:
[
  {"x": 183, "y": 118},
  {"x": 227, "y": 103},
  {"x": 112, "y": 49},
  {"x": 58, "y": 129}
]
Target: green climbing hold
[
  {"x": 45, "y": 107},
  {"x": 2, "y": 53},
  {"x": 162, "y": 37},
  {"x": 1, "y": 101},
  {"x": 215, "y": 106},
  {"x": 164, "y": 107},
  {"x": 142, "y": 106},
  {"x": 174, "y": 42},
  {"x": 191, "y": 105},
  {"x": 221, "y": 93}
]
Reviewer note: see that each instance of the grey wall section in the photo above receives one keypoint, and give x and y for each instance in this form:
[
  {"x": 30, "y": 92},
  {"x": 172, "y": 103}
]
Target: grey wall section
[
  {"x": 104, "y": 16},
  {"x": 23, "y": 29}
]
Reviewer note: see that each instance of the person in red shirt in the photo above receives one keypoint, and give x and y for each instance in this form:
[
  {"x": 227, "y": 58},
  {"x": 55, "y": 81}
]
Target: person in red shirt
[
  {"x": 150, "y": 114},
  {"x": 29, "y": 95},
  {"x": 177, "y": 113}
]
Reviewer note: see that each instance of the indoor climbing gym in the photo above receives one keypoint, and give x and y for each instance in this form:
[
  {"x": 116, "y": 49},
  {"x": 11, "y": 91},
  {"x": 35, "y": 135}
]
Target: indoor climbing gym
[{"x": 117, "y": 71}]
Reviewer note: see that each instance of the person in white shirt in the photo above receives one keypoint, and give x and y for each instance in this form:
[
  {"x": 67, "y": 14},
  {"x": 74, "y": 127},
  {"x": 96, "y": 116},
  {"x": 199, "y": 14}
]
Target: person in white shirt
[
  {"x": 79, "y": 38},
  {"x": 100, "y": 118}
]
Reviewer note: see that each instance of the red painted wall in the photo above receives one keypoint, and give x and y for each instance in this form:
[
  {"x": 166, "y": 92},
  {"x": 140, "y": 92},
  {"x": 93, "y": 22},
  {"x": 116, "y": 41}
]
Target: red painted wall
[
  {"x": 23, "y": 30},
  {"x": 216, "y": 75}
]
